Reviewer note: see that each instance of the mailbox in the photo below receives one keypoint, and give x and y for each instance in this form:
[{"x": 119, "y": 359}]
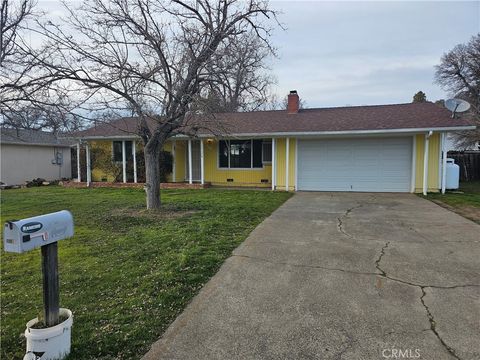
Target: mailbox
[{"x": 28, "y": 234}]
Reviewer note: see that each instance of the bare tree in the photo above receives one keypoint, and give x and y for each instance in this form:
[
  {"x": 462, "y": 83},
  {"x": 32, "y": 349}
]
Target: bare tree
[
  {"x": 241, "y": 80},
  {"x": 459, "y": 74},
  {"x": 149, "y": 57},
  {"x": 27, "y": 100},
  {"x": 12, "y": 18}
]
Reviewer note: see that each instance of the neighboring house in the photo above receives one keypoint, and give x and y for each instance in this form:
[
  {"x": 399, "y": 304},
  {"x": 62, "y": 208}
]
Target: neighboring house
[
  {"x": 29, "y": 154},
  {"x": 384, "y": 148}
]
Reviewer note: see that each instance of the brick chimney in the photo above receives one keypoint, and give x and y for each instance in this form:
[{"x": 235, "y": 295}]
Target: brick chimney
[{"x": 293, "y": 102}]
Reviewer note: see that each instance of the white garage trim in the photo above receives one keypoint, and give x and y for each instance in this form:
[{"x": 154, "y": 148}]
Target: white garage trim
[{"x": 296, "y": 164}]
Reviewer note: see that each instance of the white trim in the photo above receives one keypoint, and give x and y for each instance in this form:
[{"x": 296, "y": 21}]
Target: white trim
[
  {"x": 414, "y": 163},
  {"x": 425, "y": 162},
  {"x": 134, "y": 154},
  {"x": 202, "y": 164},
  {"x": 444, "y": 163},
  {"x": 174, "y": 165},
  {"x": 219, "y": 168},
  {"x": 296, "y": 164},
  {"x": 124, "y": 161},
  {"x": 287, "y": 161},
  {"x": 266, "y": 142},
  {"x": 89, "y": 166},
  {"x": 439, "y": 175},
  {"x": 308, "y": 133},
  {"x": 274, "y": 164},
  {"x": 190, "y": 179},
  {"x": 79, "y": 176}
]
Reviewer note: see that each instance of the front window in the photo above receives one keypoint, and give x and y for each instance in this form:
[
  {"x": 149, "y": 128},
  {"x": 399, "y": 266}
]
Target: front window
[
  {"x": 117, "y": 150},
  {"x": 240, "y": 154}
]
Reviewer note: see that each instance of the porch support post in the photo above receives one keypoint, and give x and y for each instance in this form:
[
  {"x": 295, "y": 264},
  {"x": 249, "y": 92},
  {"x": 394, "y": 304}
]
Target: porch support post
[
  {"x": 190, "y": 181},
  {"x": 202, "y": 163},
  {"x": 287, "y": 161},
  {"x": 89, "y": 167},
  {"x": 134, "y": 154},
  {"x": 79, "y": 176},
  {"x": 274, "y": 165},
  {"x": 174, "y": 162},
  {"x": 124, "y": 162},
  {"x": 444, "y": 162},
  {"x": 425, "y": 163}
]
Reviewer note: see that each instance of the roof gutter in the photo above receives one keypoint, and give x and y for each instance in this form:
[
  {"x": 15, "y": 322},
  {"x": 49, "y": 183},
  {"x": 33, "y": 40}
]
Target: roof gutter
[{"x": 303, "y": 133}]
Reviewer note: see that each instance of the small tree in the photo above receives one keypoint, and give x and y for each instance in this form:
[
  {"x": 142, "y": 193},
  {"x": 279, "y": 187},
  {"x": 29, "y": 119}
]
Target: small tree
[
  {"x": 419, "y": 97},
  {"x": 459, "y": 74}
]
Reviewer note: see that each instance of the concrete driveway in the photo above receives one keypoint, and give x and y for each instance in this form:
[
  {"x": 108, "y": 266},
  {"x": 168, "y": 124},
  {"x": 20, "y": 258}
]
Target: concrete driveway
[{"x": 341, "y": 276}]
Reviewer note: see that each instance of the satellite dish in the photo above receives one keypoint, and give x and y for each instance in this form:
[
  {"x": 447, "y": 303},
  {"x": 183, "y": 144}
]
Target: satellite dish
[{"x": 456, "y": 105}]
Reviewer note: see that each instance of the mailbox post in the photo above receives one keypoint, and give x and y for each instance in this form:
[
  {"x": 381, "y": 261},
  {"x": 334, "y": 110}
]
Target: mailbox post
[
  {"x": 51, "y": 288},
  {"x": 44, "y": 232}
]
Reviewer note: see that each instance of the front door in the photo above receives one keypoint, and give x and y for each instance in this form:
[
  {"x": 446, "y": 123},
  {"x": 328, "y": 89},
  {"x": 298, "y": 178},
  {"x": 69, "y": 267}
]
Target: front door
[{"x": 196, "y": 165}]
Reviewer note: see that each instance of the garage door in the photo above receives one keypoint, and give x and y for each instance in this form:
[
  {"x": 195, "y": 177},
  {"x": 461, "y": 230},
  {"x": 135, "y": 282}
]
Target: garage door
[{"x": 379, "y": 165}]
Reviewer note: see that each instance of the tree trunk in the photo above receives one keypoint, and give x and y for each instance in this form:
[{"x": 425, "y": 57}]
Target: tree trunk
[{"x": 152, "y": 176}]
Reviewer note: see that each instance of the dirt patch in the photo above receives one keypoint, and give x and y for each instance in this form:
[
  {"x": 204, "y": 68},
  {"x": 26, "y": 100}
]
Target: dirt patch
[{"x": 467, "y": 211}]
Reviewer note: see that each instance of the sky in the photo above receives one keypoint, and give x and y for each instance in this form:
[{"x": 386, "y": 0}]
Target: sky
[
  {"x": 366, "y": 53},
  {"x": 362, "y": 53}
]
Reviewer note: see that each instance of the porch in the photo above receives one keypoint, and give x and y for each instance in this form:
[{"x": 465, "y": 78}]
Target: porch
[{"x": 230, "y": 163}]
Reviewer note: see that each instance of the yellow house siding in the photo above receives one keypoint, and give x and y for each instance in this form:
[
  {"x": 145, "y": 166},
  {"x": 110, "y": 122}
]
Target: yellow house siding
[
  {"x": 281, "y": 155},
  {"x": 241, "y": 177},
  {"x": 180, "y": 160},
  {"x": 433, "y": 162}
]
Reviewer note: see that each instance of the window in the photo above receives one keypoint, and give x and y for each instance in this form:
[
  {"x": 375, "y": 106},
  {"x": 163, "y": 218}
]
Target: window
[
  {"x": 240, "y": 154},
  {"x": 267, "y": 151},
  {"x": 117, "y": 150}
]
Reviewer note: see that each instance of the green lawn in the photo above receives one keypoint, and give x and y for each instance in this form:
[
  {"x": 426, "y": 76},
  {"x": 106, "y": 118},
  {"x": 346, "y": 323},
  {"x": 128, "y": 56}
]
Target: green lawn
[
  {"x": 465, "y": 201},
  {"x": 127, "y": 273}
]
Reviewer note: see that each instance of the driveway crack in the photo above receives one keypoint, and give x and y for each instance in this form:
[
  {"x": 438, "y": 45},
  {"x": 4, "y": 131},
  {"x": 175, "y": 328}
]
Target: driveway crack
[
  {"x": 377, "y": 262},
  {"x": 340, "y": 219},
  {"x": 431, "y": 319}
]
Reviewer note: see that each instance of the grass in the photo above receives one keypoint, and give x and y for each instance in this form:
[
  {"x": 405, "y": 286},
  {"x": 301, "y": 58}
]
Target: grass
[
  {"x": 127, "y": 273},
  {"x": 465, "y": 202}
]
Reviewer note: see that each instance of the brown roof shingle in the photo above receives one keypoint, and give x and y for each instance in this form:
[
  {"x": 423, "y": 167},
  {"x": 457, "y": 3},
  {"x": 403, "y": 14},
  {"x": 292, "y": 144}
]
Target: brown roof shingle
[{"x": 374, "y": 118}]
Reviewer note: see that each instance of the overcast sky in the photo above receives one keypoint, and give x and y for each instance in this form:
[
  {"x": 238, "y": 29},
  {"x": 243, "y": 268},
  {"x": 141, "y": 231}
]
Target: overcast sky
[{"x": 356, "y": 53}]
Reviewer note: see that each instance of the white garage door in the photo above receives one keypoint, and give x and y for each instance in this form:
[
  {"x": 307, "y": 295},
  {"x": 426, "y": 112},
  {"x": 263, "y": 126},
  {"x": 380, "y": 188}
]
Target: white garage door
[{"x": 367, "y": 164}]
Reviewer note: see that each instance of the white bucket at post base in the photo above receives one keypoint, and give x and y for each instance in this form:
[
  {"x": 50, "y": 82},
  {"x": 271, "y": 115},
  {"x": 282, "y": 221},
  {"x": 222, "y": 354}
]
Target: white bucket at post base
[{"x": 52, "y": 343}]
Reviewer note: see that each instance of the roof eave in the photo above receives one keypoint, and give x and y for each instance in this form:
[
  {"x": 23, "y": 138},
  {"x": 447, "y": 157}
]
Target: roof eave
[{"x": 302, "y": 133}]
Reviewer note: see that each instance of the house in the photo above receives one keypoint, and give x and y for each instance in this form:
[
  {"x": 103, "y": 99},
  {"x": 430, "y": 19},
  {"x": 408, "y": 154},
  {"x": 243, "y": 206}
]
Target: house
[
  {"x": 30, "y": 154},
  {"x": 384, "y": 148}
]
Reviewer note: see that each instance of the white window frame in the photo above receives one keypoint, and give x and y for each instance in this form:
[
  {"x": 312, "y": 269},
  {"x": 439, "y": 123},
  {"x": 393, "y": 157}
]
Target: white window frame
[
  {"x": 271, "y": 151},
  {"x": 234, "y": 169}
]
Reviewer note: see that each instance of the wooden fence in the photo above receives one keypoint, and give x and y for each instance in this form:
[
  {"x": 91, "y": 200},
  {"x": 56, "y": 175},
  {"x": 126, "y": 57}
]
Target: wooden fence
[{"x": 469, "y": 162}]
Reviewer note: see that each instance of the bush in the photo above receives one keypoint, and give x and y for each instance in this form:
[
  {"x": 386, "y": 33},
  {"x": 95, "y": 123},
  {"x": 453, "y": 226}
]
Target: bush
[{"x": 166, "y": 165}]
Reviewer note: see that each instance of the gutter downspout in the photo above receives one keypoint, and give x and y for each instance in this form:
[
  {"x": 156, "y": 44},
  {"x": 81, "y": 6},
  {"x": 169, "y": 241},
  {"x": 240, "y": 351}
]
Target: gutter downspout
[{"x": 425, "y": 162}]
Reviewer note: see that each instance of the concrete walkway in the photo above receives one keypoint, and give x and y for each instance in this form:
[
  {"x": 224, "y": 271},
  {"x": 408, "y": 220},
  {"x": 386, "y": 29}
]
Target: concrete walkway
[{"x": 341, "y": 276}]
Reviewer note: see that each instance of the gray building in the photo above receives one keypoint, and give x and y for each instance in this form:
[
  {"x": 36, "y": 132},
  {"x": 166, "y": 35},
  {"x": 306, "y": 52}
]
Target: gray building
[{"x": 31, "y": 154}]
